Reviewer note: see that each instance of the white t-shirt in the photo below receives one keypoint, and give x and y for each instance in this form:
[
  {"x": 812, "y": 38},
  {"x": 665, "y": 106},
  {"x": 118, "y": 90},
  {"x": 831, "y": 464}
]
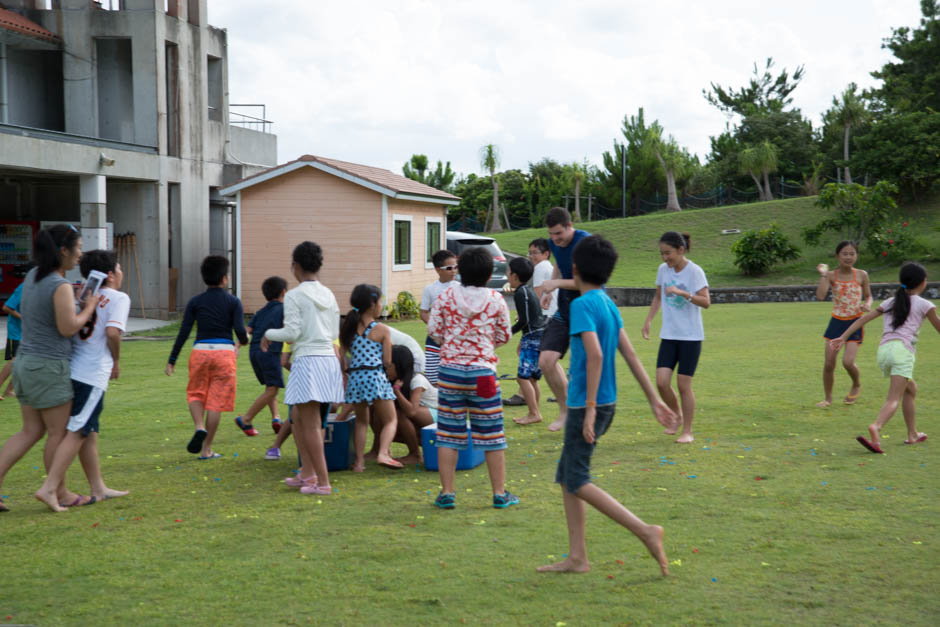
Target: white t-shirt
[
  {"x": 681, "y": 319},
  {"x": 541, "y": 273},
  {"x": 400, "y": 338},
  {"x": 429, "y": 396},
  {"x": 91, "y": 359},
  {"x": 431, "y": 292}
]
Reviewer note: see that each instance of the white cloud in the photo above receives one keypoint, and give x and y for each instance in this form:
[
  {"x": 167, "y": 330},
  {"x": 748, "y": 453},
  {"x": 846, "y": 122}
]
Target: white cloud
[{"x": 374, "y": 82}]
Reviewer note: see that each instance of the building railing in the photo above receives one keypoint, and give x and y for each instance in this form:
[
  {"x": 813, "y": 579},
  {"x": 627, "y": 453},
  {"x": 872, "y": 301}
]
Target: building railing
[{"x": 247, "y": 120}]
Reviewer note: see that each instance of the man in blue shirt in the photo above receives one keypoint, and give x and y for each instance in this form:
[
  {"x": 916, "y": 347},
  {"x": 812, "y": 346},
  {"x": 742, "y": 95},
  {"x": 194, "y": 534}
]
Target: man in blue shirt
[
  {"x": 596, "y": 336},
  {"x": 562, "y": 239}
]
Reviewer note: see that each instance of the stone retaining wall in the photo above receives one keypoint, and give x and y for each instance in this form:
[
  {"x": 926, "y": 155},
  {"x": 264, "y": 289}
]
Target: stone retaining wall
[{"x": 643, "y": 296}]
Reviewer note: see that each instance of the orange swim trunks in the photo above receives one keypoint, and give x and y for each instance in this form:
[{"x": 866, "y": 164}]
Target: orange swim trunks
[{"x": 212, "y": 379}]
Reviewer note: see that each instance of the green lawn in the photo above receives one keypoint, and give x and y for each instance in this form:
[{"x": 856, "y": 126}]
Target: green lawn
[
  {"x": 637, "y": 238},
  {"x": 774, "y": 515}
]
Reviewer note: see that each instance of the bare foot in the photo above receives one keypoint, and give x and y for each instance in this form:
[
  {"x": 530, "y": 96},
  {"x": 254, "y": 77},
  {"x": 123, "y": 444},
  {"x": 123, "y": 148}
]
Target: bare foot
[
  {"x": 685, "y": 438},
  {"x": 823, "y": 404},
  {"x": 388, "y": 461},
  {"x": 358, "y": 466},
  {"x": 409, "y": 460},
  {"x": 567, "y": 565},
  {"x": 527, "y": 420},
  {"x": 654, "y": 544},
  {"x": 559, "y": 424},
  {"x": 50, "y": 499},
  {"x": 875, "y": 434},
  {"x": 109, "y": 494}
]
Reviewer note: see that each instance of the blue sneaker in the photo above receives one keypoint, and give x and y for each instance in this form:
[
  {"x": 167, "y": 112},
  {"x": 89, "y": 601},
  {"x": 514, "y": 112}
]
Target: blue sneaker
[
  {"x": 504, "y": 500},
  {"x": 446, "y": 501}
]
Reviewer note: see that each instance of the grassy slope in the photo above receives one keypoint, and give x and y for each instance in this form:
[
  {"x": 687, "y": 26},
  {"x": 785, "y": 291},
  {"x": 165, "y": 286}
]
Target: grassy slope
[
  {"x": 829, "y": 535},
  {"x": 636, "y": 239}
]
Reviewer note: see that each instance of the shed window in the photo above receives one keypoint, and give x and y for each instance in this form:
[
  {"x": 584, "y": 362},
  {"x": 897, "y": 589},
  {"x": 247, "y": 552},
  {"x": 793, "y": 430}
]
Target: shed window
[
  {"x": 402, "y": 245},
  {"x": 432, "y": 239}
]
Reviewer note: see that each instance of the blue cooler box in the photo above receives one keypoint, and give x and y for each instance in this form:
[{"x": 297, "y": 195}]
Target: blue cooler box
[
  {"x": 470, "y": 458},
  {"x": 338, "y": 443}
]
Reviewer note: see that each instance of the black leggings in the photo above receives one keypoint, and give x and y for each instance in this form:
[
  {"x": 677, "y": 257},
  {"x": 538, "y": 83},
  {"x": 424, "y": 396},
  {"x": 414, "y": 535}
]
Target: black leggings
[{"x": 682, "y": 352}]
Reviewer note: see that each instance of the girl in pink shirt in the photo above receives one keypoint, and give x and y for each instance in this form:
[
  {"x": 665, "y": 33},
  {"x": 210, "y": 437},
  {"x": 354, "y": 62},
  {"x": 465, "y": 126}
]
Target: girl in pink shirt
[{"x": 904, "y": 313}]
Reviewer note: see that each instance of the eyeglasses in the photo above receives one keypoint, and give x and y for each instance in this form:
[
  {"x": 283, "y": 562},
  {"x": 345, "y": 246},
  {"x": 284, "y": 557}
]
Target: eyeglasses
[{"x": 450, "y": 267}]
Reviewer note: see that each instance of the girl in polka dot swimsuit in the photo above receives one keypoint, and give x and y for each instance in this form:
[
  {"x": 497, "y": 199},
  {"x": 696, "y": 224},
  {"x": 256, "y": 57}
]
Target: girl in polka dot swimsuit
[{"x": 369, "y": 345}]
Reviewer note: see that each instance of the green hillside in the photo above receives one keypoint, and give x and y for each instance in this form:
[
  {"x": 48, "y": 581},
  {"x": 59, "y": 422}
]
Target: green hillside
[{"x": 636, "y": 240}]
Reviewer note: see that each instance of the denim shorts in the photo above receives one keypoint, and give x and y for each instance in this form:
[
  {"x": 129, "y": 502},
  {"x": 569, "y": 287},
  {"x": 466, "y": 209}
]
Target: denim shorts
[
  {"x": 40, "y": 382},
  {"x": 574, "y": 467}
]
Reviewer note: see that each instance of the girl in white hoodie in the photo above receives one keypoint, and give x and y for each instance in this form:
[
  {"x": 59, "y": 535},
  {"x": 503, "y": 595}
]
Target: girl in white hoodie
[{"x": 311, "y": 325}]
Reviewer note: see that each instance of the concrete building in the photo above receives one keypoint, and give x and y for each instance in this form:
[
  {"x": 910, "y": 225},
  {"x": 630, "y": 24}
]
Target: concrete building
[{"x": 114, "y": 116}]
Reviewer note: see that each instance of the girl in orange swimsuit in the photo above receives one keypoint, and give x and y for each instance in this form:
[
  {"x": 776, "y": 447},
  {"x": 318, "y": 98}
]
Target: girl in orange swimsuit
[{"x": 851, "y": 297}]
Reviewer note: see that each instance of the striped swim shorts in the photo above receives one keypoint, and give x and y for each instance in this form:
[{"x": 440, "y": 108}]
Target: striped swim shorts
[{"x": 473, "y": 391}]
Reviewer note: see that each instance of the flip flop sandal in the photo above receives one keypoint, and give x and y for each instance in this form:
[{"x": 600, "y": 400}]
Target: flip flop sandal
[
  {"x": 920, "y": 438},
  {"x": 399, "y": 465},
  {"x": 81, "y": 502},
  {"x": 869, "y": 445},
  {"x": 3, "y": 507},
  {"x": 247, "y": 428},
  {"x": 851, "y": 398},
  {"x": 213, "y": 456}
]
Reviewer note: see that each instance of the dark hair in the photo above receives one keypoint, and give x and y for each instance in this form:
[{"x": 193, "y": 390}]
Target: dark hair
[
  {"x": 362, "y": 298},
  {"x": 556, "y": 216},
  {"x": 272, "y": 287},
  {"x": 541, "y": 243},
  {"x": 404, "y": 363},
  {"x": 844, "y": 243},
  {"x": 101, "y": 260},
  {"x": 309, "y": 256},
  {"x": 522, "y": 267},
  {"x": 441, "y": 256},
  {"x": 213, "y": 269},
  {"x": 677, "y": 240},
  {"x": 595, "y": 258},
  {"x": 912, "y": 274},
  {"x": 475, "y": 265},
  {"x": 47, "y": 250}
]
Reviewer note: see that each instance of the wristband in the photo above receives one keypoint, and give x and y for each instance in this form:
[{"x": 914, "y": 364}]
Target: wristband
[{"x": 590, "y": 403}]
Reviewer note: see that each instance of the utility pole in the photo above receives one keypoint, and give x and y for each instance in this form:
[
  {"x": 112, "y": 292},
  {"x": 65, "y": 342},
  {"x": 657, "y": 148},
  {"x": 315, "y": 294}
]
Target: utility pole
[{"x": 623, "y": 179}]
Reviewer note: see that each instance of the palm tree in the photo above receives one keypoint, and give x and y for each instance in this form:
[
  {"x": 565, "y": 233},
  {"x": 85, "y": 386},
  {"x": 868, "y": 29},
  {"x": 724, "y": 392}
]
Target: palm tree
[
  {"x": 489, "y": 161},
  {"x": 848, "y": 112},
  {"x": 577, "y": 177},
  {"x": 672, "y": 159},
  {"x": 759, "y": 161}
]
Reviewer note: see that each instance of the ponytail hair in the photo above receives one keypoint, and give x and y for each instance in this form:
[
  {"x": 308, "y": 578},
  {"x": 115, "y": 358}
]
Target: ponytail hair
[
  {"x": 911, "y": 275},
  {"x": 404, "y": 367},
  {"x": 47, "y": 251},
  {"x": 362, "y": 298},
  {"x": 677, "y": 240}
]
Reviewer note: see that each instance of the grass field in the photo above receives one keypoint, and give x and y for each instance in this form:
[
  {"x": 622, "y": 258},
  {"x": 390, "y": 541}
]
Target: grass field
[
  {"x": 774, "y": 515},
  {"x": 637, "y": 238}
]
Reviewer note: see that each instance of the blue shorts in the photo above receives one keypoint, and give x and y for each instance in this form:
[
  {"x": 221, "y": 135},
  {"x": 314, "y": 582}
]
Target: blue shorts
[
  {"x": 837, "y": 327},
  {"x": 472, "y": 390},
  {"x": 529, "y": 356},
  {"x": 682, "y": 352},
  {"x": 87, "y": 403},
  {"x": 574, "y": 467},
  {"x": 267, "y": 367}
]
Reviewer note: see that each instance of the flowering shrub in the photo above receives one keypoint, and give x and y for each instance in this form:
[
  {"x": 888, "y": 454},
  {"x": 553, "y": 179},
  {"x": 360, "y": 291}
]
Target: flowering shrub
[{"x": 893, "y": 242}]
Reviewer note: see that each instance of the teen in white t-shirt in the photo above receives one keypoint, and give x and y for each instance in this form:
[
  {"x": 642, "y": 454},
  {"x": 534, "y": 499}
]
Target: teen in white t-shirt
[
  {"x": 682, "y": 293},
  {"x": 95, "y": 361}
]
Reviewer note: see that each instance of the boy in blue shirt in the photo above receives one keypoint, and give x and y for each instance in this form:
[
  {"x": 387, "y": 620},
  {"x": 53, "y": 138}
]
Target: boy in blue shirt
[
  {"x": 596, "y": 335},
  {"x": 266, "y": 364},
  {"x": 14, "y": 332}
]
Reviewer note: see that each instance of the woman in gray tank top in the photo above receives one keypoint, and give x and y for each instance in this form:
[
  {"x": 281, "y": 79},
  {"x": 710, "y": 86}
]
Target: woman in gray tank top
[{"x": 41, "y": 370}]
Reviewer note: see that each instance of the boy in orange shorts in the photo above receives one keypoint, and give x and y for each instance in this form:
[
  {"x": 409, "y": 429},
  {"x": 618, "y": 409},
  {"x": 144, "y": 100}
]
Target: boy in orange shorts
[{"x": 211, "y": 388}]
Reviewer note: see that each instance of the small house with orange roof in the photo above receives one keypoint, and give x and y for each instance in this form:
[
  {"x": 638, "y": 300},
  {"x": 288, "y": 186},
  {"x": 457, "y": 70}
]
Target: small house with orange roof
[{"x": 374, "y": 226}]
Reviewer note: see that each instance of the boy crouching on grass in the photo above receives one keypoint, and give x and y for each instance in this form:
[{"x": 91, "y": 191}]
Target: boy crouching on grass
[
  {"x": 96, "y": 351},
  {"x": 596, "y": 334}
]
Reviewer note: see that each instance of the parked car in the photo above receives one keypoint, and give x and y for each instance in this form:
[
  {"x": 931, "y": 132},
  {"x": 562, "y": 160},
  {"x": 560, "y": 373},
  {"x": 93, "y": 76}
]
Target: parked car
[{"x": 457, "y": 242}]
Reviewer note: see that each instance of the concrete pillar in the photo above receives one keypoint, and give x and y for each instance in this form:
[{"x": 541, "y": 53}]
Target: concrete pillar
[{"x": 92, "y": 196}]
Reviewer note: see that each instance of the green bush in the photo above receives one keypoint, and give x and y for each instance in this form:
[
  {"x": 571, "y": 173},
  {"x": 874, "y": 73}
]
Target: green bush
[
  {"x": 894, "y": 242},
  {"x": 757, "y": 251},
  {"x": 404, "y": 307}
]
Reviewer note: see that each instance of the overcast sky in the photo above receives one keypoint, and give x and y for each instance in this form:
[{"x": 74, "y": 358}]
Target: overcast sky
[{"x": 375, "y": 82}]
